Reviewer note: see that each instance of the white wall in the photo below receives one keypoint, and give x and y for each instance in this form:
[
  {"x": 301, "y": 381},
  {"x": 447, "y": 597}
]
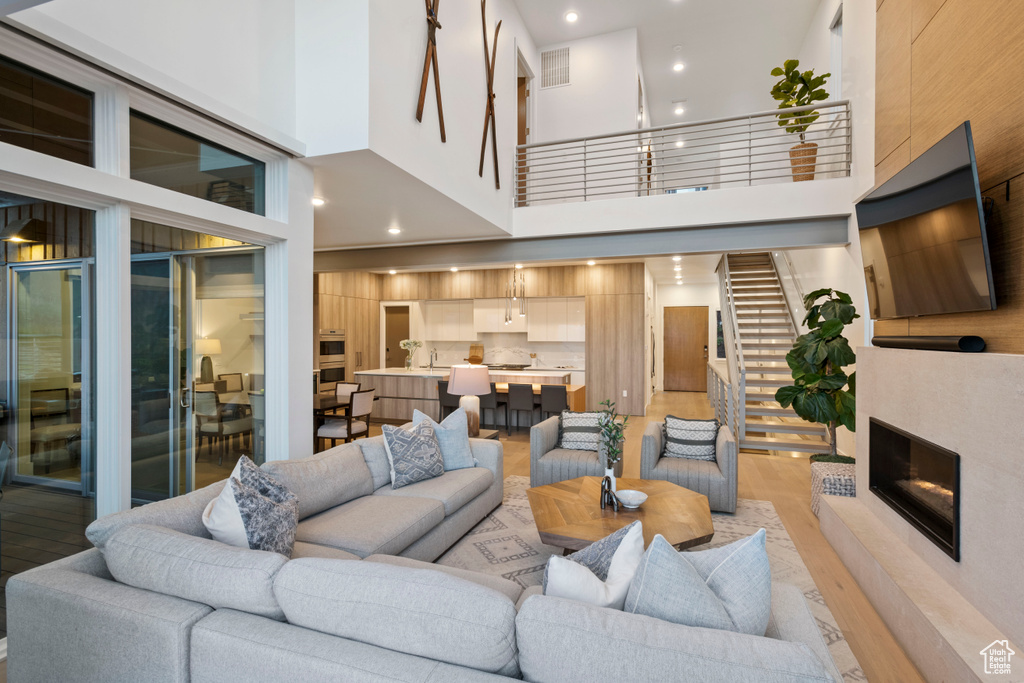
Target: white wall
[
  {"x": 236, "y": 57},
  {"x": 397, "y": 46},
  {"x": 689, "y": 294},
  {"x": 602, "y": 96}
]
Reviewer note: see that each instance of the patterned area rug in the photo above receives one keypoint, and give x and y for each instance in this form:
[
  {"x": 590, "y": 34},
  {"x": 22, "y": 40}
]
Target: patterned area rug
[{"x": 507, "y": 543}]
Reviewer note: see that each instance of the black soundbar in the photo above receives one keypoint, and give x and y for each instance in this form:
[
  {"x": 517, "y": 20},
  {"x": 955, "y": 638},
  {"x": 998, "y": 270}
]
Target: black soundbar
[{"x": 966, "y": 344}]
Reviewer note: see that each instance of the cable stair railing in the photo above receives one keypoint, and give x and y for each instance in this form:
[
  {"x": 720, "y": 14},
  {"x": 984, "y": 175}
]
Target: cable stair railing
[{"x": 759, "y": 327}]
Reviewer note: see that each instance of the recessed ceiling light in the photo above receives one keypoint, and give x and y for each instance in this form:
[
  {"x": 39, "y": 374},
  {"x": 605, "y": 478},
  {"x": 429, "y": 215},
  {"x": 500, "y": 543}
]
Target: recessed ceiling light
[
  {"x": 679, "y": 282},
  {"x": 392, "y": 272},
  {"x": 677, "y": 268},
  {"x": 679, "y": 110},
  {"x": 591, "y": 263},
  {"x": 679, "y": 143},
  {"x": 519, "y": 266},
  {"x": 677, "y": 258},
  {"x": 678, "y": 66},
  {"x": 454, "y": 269},
  {"x": 394, "y": 231},
  {"x": 319, "y": 201},
  {"x": 572, "y": 16}
]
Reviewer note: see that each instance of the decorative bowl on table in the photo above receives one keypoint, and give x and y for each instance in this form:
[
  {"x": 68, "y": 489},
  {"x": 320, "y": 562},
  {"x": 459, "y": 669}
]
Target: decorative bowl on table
[{"x": 631, "y": 499}]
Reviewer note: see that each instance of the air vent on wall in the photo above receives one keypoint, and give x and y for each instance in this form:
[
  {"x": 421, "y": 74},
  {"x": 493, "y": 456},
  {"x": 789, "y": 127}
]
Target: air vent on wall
[{"x": 554, "y": 67}]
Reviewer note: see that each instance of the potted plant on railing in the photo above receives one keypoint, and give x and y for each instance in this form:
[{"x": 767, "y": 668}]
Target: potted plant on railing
[
  {"x": 613, "y": 433},
  {"x": 821, "y": 391},
  {"x": 796, "y": 89}
]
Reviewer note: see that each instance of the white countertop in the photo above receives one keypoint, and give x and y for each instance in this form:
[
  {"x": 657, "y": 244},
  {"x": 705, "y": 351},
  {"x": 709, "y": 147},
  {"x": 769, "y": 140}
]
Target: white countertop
[{"x": 441, "y": 372}]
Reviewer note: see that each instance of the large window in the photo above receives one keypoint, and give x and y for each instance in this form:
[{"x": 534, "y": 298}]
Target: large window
[
  {"x": 168, "y": 157},
  {"x": 45, "y": 115}
]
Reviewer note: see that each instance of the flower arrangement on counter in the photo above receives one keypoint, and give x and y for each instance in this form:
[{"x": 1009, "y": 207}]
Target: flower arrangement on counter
[{"x": 411, "y": 346}]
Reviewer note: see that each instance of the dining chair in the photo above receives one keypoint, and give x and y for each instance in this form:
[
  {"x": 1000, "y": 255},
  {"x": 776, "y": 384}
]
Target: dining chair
[
  {"x": 520, "y": 399},
  {"x": 258, "y": 405},
  {"x": 233, "y": 381},
  {"x": 217, "y": 425},
  {"x": 50, "y": 424},
  {"x": 492, "y": 402},
  {"x": 448, "y": 403},
  {"x": 353, "y": 424},
  {"x": 344, "y": 390},
  {"x": 554, "y": 398}
]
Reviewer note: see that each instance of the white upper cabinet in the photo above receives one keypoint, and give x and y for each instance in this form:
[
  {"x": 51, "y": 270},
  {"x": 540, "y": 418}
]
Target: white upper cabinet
[
  {"x": 449, "y": 320},
  {"x": 489, "y": 316},
  {"x": 576, "y": 316},
  {"x": 557, "y": 319}
]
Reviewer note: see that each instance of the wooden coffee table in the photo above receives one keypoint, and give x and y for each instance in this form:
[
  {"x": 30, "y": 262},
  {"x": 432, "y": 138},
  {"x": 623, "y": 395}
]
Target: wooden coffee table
[{"x": 569, "y": 515}]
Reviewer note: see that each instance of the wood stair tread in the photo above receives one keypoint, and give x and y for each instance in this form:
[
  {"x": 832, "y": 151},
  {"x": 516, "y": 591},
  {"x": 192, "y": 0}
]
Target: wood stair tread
[
  {"x": 770, "y": 411},
  {"x": 783, "y": 428},
  {"x": 765, "y": 444}
]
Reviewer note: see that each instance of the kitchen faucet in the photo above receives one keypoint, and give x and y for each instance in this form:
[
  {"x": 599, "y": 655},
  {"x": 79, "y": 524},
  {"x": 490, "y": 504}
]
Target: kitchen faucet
[{"x": 433, "y": 357}]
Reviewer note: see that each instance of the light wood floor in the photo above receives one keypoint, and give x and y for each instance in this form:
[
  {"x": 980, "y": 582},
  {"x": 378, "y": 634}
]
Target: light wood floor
[{"x": 785, "y": 480}]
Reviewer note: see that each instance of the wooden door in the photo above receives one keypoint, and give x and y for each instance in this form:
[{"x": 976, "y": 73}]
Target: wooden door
[
  {"x": 396, "y": 328},
  {"x": 522, "y": 132},
  {"x": 686, "y": 348}
]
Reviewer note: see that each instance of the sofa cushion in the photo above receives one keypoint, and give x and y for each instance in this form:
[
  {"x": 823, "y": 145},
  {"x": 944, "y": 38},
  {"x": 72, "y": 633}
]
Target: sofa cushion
[
  {"x": 452, "y": 436},
  {"x": 729, "y": 587},
  {"x": 376, "y": 458},
  {"x": 416, "y": 611},
  {"x": 301, "y": 549},
  {"x": 372, "y": 524},
  {"x": 690, "y": 438},
  {"x": 414, "y": 454},
  {"x": 579, "y": 431},
  {"x": 693, "y": 470},
  {"x": 453, "y": 489},
  {"x": 181, "y": 513},
  {"x": 198, "y": 569},
  {"x": 510, "y": 588},
  {"x": 571, "y": 642},
  {"x": 603, "y": 574},
  {"x": 324, "y": 480},
  {"x": 253, "y": 511}
]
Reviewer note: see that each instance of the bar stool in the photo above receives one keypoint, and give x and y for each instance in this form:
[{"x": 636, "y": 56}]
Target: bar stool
[
  {"x": 448, "y": 403},
  {"x": 554, "y": 398},
  {"x": 492, "y": 402},
  {"x": 520, "y": 399}
]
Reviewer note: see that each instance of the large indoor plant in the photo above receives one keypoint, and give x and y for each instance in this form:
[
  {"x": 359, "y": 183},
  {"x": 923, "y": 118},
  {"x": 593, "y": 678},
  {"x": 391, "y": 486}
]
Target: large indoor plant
[
  {"x": 799, "y": 89},
  {"x": 821, "y": 391},
  {"x": 613, "y": 433}
]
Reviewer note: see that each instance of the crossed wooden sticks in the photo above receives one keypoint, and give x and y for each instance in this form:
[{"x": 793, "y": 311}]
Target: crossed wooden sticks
[
  {"x": 489, "y": 60},
  {"x": 431, "y": 59}
]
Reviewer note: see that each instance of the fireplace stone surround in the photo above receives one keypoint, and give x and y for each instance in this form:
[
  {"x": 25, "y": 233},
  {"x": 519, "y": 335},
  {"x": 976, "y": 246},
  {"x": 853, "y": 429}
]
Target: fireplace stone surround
[{"x": 943, "y": 612}]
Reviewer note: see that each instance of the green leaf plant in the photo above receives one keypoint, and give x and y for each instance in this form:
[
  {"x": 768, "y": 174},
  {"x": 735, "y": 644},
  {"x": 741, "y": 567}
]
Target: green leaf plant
[
  {"x": 822, "y": 392},
  {"x": 613, "y": 432},
  {"x": 796, "y": 89}
]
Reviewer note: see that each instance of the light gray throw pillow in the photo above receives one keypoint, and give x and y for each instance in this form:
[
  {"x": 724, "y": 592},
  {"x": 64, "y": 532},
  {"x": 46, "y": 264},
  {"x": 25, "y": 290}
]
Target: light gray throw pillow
[
  {"x": 728, "y": 588},
  {"x": 452, "y": 436},
  {"x": 579, "y": 431},
  {"x": 414, "y": 454},
  {"x": 694, "y": 439}
]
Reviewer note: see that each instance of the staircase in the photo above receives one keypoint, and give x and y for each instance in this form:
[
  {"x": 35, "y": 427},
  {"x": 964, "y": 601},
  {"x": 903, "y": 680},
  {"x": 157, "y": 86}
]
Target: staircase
[{"x": 765, "y": 332}]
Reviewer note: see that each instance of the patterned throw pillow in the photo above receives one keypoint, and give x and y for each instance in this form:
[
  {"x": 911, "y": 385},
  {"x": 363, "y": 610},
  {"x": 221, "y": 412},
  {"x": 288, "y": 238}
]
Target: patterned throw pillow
[
  {"x": 694, "y": 439},
  {"x": 601, "y": 573},
  {"x": 254, "y": 511},
  {"x": 579, "y": 431},
  {"x": 414, "y": 454}
]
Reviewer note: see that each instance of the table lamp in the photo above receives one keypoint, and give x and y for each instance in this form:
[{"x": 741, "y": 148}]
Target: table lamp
[
  {"x": 470, "y": 382},
  {"x": 207, "y": 347}
]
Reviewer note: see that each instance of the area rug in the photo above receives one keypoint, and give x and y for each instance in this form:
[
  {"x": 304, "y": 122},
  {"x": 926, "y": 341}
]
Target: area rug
[{"x": 506, "y": 543}]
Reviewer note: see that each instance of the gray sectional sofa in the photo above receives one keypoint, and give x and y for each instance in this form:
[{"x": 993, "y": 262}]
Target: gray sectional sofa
[{"x": 158, "y": 600}]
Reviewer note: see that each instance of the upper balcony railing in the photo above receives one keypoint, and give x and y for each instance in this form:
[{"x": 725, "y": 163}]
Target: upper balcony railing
[{"x": 705, "y": 155}]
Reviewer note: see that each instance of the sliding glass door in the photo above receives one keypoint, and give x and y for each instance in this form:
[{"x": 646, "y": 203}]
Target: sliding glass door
[{"x": 197, "y": 359}]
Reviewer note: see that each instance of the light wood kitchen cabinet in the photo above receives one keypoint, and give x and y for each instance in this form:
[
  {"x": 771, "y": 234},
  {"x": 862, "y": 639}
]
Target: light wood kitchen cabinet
[
  {"x": 362, "y": 333},
  {"x": 449, "y": 320},
  {"x": 489, "y": 316}
]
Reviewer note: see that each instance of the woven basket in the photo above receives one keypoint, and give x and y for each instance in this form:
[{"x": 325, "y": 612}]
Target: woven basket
[{"x": 803, "y": 158}]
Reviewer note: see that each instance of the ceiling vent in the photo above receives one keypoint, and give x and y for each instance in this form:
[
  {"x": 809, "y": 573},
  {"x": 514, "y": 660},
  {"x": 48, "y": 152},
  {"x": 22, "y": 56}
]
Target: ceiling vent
[{"x": 554, "y": 68}]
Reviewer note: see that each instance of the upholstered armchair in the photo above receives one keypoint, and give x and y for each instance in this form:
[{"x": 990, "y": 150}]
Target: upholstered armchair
[
  {"x": 716, "y": 478},
  {"x": 550, "y": 464}
]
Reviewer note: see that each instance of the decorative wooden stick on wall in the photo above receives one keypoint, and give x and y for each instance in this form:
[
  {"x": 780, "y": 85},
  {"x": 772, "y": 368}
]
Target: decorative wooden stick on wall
[
  {"x": 489, "y": 59},
  {"x": 430, "y": 59}
]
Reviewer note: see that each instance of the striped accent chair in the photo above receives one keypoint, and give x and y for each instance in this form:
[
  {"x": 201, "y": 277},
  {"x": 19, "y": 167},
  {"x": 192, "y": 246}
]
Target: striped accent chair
[
  {"x": 716, "y": 478},
  {"x": 550, "y": 464}
]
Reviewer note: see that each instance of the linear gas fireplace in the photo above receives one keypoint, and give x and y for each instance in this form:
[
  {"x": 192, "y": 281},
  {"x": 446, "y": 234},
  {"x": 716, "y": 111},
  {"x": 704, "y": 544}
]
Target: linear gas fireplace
[{"x": 920, "y": 481}]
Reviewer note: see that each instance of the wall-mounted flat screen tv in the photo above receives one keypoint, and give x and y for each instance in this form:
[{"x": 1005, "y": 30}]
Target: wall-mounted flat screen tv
[{"x": 922, "y": 236}]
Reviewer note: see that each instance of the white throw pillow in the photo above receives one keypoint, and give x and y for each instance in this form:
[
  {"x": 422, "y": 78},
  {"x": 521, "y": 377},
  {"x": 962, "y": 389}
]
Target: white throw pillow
[{"x": 572, "y": 580}]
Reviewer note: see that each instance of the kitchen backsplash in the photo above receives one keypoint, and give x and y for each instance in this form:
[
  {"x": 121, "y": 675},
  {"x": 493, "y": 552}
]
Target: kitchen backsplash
[{"x": 508, "y": 348}]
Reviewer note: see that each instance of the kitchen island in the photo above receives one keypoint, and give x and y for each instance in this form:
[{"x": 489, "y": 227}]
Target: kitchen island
[{"x": 401, "y": 391}]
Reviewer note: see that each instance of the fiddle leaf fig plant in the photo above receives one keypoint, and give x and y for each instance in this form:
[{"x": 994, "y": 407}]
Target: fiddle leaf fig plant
[
  {"x": 798, "y": 89},
  {"x": 822, "y": 392}
]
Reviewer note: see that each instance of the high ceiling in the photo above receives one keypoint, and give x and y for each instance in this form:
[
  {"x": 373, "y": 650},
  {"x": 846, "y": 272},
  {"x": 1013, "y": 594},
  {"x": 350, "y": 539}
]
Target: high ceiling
[{"x": 728, "y": 47}]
